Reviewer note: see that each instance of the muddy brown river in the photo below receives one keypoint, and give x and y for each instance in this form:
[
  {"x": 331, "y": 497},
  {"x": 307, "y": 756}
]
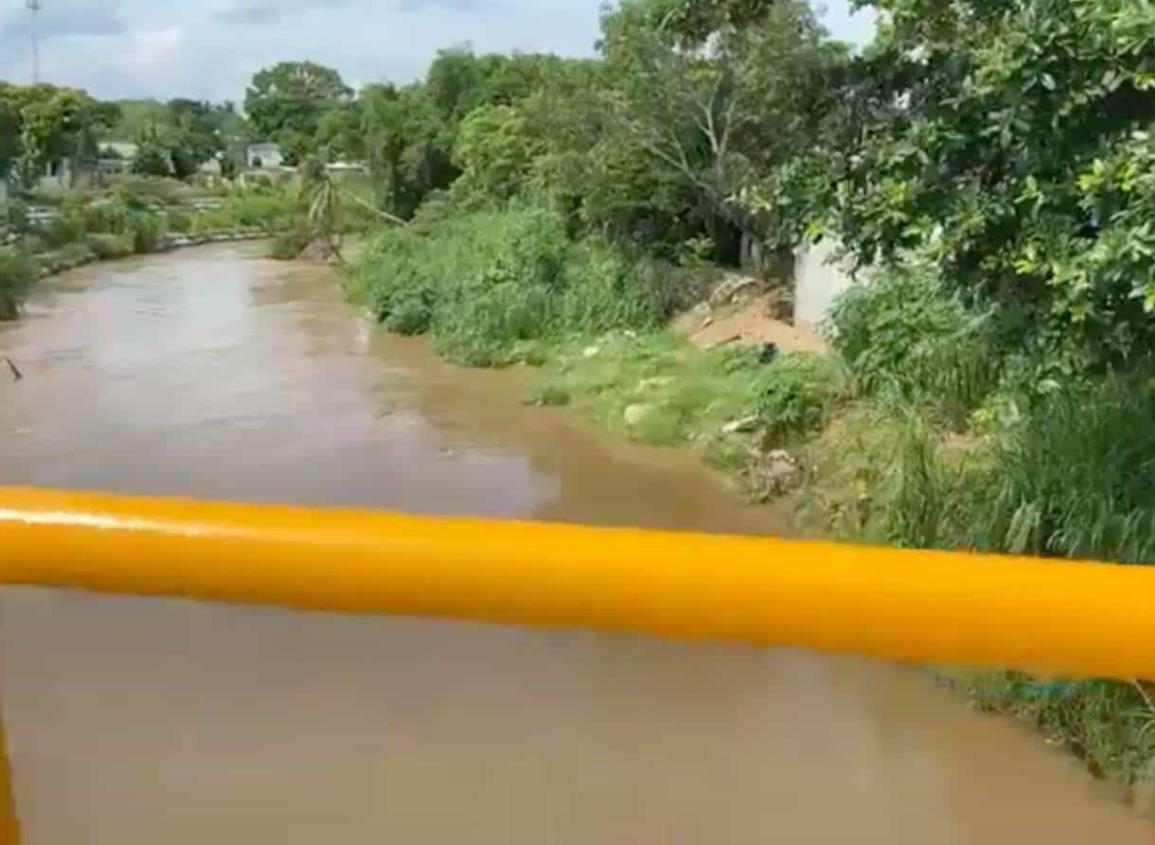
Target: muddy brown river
[{"x": 216, "y": 373}]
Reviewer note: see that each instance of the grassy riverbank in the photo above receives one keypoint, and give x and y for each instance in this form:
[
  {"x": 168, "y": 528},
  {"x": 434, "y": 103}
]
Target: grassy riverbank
[
  {"x": 135, "y": 216},
  {"x": 916, "y": 429}
]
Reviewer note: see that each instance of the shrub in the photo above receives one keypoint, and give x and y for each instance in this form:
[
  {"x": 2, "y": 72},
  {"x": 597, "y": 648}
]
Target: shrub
[
  {"x": 107, "y": 246},
  {"x": 270, "y": 208},
  {"x": 410, "y": 316},
  {"x": 18, "y": 216},
  {"x": 178, "y": 221},
  {"x": 799, "y": 390},
  {"x": 902, "y": 332},
  {"x": 74, "y": 254},
  {"x": 289, "y": 244},
  {"x": 147, "y": 230},
  {"x": 489, "y": 284},
  {"x": 17, "y": 273},
  {"x": 482, "y": 277},
  {"x": 609, "y": 288},
  {"x": 107, "y": 216},
  {"x": 63, "y": 230},
  {"x": 139, "y": 191}
]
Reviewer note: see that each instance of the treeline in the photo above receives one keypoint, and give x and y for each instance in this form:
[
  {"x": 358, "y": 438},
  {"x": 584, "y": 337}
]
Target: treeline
[
  {"x": 653, "y": 143},
  {"x": 41, "y": 125}
]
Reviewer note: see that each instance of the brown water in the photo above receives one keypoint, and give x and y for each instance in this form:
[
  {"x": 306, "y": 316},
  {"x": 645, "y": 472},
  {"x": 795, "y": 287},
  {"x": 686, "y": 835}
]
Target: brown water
[{"x": 139, "y": 721}]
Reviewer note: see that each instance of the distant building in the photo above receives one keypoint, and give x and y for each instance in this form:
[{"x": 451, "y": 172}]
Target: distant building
[
  {"x": 116, "y": 157},
  {"x": 339, "y": 167},
  {"x": 265, "y": 156},
  {"x": 57, "y": 175}
]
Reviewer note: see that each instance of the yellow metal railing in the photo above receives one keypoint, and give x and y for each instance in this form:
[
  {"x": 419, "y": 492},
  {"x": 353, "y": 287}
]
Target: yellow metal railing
[{"x": 1050, "y": 616}]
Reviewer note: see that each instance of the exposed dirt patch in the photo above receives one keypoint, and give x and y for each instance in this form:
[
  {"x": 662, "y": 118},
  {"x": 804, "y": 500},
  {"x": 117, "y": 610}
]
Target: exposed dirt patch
[{"x": 749, "y": 322}]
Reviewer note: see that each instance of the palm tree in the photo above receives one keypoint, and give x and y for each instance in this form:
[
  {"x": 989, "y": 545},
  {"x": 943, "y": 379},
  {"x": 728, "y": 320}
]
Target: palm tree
[{"x": 322, "y": 199}]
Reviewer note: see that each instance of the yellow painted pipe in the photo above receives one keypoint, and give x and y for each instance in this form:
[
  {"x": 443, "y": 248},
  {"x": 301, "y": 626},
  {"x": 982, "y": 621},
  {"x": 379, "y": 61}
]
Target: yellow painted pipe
[{"x": 1055, "y": 616}]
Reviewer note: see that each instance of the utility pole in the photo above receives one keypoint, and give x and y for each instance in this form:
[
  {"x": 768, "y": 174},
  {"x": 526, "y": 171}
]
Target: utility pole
[{"x": 34, "y": 7}]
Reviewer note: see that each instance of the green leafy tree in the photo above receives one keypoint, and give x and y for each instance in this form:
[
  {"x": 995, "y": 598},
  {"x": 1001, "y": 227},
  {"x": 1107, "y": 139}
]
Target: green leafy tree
[
  {"x": 9, "y": 136},
  {"x": 53, "y": 124},
  {"x": 711, "y": 119},
  {"x": 192, "y": 135},
  {"x": 456, "y": 82},
  {"x": 496, "y": 148},
  {"x": 152, "y": 157},
  {"x": 403, "y": 137},
  {"x": 1012, "y": 143},
  {"x": 339, "y": 132},
  {"x": 285, "y": 103},
  {"x": 694, "y": 21}
]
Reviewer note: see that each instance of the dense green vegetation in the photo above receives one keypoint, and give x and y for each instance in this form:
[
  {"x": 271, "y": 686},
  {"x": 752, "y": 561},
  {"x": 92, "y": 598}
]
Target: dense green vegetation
[
  {"x": 40, "y": 124},
  {"x": 292, "y": 102},
  {"x": 491, "y": 285}
]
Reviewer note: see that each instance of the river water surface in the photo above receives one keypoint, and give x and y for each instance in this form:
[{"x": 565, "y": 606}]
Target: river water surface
[{"x": 216, "y": 373}]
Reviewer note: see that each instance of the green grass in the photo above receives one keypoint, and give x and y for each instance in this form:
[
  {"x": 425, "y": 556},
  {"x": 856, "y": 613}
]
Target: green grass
[
  {"x": 656, "y": 388},
  {"x": 273, "y": 209},
  {"x": 904, "y": 335}
]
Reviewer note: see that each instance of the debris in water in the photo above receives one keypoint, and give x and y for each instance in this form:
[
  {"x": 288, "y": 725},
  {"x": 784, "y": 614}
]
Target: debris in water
[{"x": 16, "y": 374}]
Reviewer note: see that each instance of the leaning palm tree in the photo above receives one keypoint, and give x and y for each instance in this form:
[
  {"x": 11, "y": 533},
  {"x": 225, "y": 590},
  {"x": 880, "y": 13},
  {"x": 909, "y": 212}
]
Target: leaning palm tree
[{"x": 322, "y": 201}]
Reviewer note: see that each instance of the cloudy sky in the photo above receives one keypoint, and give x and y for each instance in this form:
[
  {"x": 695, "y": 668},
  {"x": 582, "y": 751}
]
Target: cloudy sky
[{"x": 210, "y": 48}]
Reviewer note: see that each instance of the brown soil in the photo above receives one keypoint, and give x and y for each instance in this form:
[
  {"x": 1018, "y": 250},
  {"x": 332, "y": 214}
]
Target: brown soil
[{"x": 747, "y": 323}]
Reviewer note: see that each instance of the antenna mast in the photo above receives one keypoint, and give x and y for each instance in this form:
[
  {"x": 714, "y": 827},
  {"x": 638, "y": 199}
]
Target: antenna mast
[{"x": 34, "y": 6}]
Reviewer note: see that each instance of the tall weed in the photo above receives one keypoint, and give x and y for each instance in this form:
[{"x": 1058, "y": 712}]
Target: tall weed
[
  {"x": 903, "y": 333},
  {"x": 1078, "y": 476}
]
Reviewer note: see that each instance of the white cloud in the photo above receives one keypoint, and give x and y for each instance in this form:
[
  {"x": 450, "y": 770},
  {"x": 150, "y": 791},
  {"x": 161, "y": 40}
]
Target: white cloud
[
  {"x": 149, "y": 48},
  {"x": 210, "y": 48}
]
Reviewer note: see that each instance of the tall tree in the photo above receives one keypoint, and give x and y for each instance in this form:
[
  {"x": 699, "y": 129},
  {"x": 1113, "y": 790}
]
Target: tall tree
[
  {"x": 193, "y": 135},
  {"x": 1015, "y": 144},
  {"x": 54, "y": 124},
  {"x": 710, "y": 117},
  {"x": 285, "y": 103},
  {"x": 404, "y": 143}
]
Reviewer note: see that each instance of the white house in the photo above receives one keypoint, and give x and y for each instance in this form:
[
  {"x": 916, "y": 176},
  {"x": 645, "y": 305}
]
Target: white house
[
  {"x": 265, "y": 156},
  {"x": 58, "y": 175},
  {"x": 116, "y": 157}
]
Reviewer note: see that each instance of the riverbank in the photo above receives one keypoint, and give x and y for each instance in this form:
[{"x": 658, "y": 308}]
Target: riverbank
[
  {"x": 59, "y": 261},
  {"x": 910, "y": 431},
  {"x": 135, "y": 216}
]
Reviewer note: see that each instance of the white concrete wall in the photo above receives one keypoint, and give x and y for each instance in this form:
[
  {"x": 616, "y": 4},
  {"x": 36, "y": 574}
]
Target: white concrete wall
[{"x": 818, "y": 279}]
